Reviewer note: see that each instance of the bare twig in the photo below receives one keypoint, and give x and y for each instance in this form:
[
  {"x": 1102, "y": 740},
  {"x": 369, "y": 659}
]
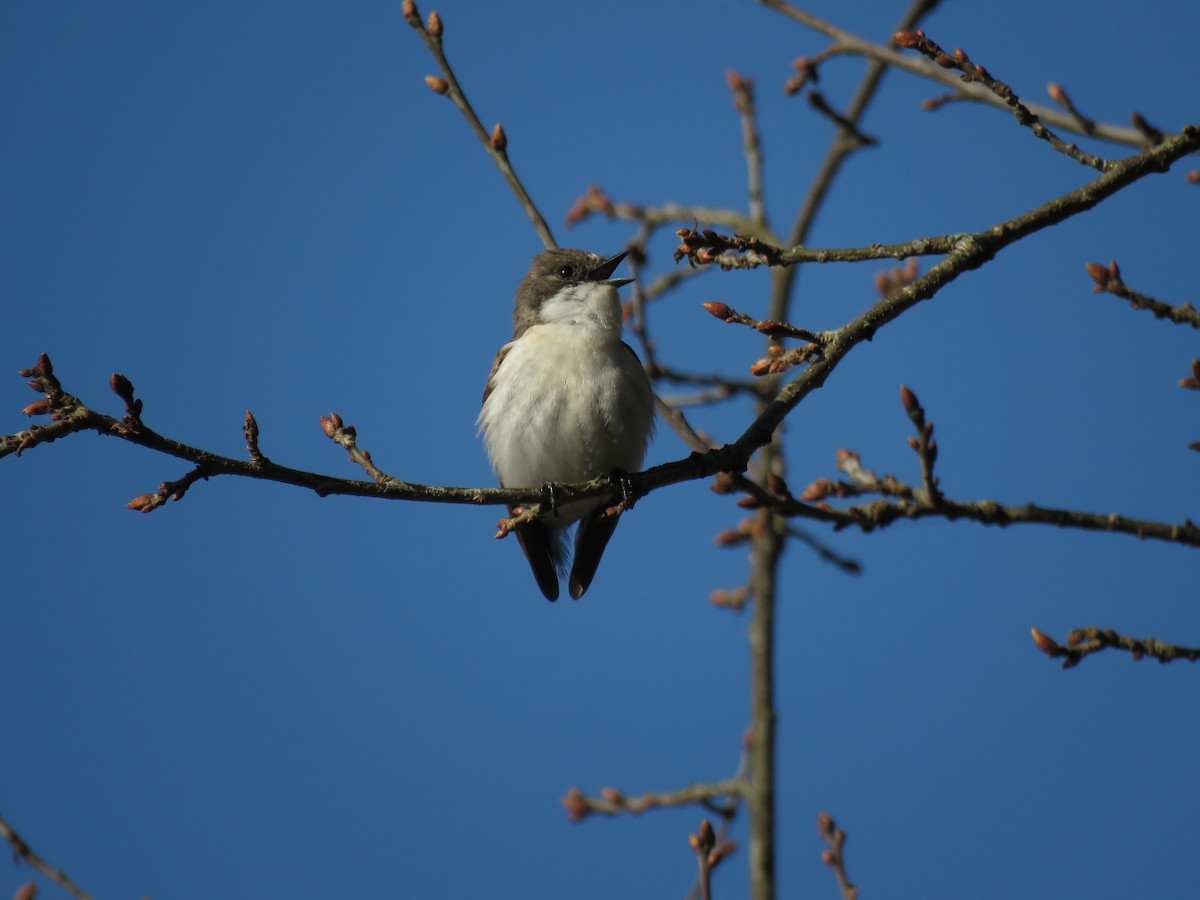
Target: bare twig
[
  {"x": 850, "y": 129},
  {"x": 495, "y": 142},
  {"x": 1085, "y": 641},
  {"x": 709, "y": 850},
  {"x": 719, "y": 798},
  {"x": 849, "y": 43},
  {"x": 924, "y": 444},
  {"x": 771, "y": 329},
  {"x": 1060, "y": 96},
  {"x": 1108, "y": 280},
  {"x": 908, "y": 503},
  {"x": 743, "y": 102},
  {"x": 24, "y": 853},
  {"x": 972, "y": 73},
  {"x": 834, "y": 855}
]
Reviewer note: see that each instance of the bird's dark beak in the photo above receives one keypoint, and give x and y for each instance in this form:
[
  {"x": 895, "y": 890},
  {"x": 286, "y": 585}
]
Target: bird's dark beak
[{"x": 606, "y": 268}]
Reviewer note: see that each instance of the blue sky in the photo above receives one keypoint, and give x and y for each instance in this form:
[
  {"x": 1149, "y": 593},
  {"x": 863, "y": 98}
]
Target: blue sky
[{"x": 256, "y": 692}]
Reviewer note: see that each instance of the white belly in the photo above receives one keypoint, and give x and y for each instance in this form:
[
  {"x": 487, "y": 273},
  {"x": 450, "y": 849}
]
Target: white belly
[{"x": 566, "y": 407}]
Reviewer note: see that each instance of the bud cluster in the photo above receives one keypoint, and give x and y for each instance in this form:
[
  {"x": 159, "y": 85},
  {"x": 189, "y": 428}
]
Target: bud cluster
[{"x": 705, "y": 246}]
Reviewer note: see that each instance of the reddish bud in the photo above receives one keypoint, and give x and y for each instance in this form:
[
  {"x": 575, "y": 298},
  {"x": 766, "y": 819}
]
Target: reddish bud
[
  {"x": 1098, "y": 273},
  {"x": 409, "y": 10},
  {"x": 1044, "y": 642},
  {"x": 44, "y": 368},
  {"x": 729, "y": 537},
  {"x": 827, "y": 857},
  {"x": 1194, "y": 176},
  {"x": 792, "y": 86},
  {"x": 27, "y": 891},
  {"x": 579, "y": 210},
  {"x": 1114, "y": 270},
  {"x": 437, "y": 85},
  {"x": 735, "y": 81},
  {"x": 722, "y": 484},
  {"x": 824, "y": 825},
  {"x": 882, "y": 283},
  {"x": 575, "y": 804},
  {"x": 722, "y": 850},
  {"x": 909, "y": 39},
  {"x": 749, "y": 503},
  {"x": 912, "y": 442},
  {"x": 143, "y": 503},
  {"x": 761, "y": 366},
  {"x": 434, "y": 27},
  {"x": 37, "y": 408},
  {"x": 613, "y": 796},
  {"x": 1057, "y": 94},
  {"x": 718, "y": 309},
  {"x": 818, "y": 490},
  {"x": 499, "y": 138},
  {"x": 909, "y": 399},
  {"x": 944, "y": 61},
  {"x": 121, "y": 386},
  {"x": 959, "y": 56}
]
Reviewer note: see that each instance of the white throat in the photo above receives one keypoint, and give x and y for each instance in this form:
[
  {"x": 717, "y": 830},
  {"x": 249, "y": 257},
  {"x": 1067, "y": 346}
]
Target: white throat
[{"x": 592, "y": 304}]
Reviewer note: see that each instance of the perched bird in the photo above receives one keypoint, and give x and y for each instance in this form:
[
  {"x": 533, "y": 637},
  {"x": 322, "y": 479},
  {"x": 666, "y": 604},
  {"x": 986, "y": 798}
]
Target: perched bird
[{"x": 567, "y": 400}]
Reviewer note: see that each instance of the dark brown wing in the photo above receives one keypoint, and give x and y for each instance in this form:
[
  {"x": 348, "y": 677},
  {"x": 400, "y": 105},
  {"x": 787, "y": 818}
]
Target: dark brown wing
[
  {"x": 590, "y": 540},
  {"x": 487, "y": 388},
  {"x": 538, "y": 543}
]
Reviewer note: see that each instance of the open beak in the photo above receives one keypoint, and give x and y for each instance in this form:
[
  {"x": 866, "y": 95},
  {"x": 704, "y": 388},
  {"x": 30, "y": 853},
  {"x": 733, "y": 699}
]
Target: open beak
[{"x": 602, "y": 271}]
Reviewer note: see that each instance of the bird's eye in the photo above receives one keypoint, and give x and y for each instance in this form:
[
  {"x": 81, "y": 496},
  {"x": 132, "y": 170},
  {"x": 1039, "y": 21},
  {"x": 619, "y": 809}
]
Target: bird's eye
[{"x": 566, "y": 271}]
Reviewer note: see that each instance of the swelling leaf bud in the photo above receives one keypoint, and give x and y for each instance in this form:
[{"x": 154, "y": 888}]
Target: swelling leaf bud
[{"x": 499, "y": 138}]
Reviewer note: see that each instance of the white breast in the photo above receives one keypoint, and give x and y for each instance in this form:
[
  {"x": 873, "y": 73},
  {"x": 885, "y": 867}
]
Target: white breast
[{"x": 568, "y": 402}]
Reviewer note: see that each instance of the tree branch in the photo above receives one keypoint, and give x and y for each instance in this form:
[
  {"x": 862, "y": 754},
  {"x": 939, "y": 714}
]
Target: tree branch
[
  {"x": 23, "y": 852},
  {"x": 849, "y": 43},
  {"x": 612, "y": 802},
  {"x": 1084, "y": 642},
  {"x": 1108, "y": 280},
  {"x": 495, "y": 143}
]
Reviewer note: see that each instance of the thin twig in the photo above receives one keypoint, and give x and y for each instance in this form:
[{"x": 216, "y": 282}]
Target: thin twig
[
  {"x": 972, "y": 73},
  {"x": 852, "y": 43},
  {"x": 1084, "y": 642},
  {"x": 719, "y": 798},
  {"x": 24, "y": 853},
  {"x": 834, "y": 855},
  {"x": 1108, "y": 280},
  {"x": 495, "y": 142},
  {"x": 743, "y": 102}
]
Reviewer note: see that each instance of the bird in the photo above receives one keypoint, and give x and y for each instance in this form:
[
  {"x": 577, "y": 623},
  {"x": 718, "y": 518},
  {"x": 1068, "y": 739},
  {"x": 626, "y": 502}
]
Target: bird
[{"x": 566, "y": 401}]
